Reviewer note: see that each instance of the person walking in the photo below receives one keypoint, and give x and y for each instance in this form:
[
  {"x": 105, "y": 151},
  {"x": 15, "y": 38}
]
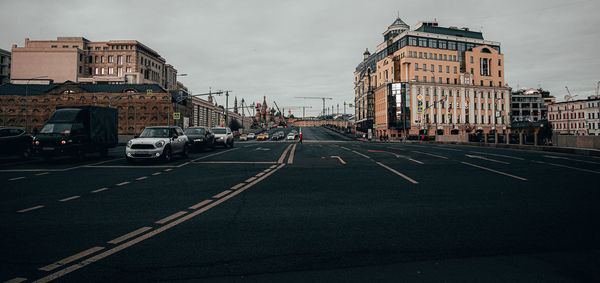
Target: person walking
[{"x": 300, "y": 137}]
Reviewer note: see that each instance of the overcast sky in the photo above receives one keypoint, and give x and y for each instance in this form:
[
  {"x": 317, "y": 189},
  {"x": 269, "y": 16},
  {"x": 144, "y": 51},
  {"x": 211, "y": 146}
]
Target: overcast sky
[{"x": 285, "y": 49}]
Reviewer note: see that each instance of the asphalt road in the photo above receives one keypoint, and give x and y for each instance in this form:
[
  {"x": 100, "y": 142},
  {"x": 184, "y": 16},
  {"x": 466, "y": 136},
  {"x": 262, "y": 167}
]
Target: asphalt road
[{"x": 330, "y": 209}]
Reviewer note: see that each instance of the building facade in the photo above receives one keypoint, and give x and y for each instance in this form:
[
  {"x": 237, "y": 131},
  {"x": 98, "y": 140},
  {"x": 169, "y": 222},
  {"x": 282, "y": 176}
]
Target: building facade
[
  {"x": 430, "y": 78},
  {"x": 530, "y": 105},
  {"x": 77, "y": 59},
  {"x": 576, "y": 117},
  {"x": 4, "y": 66}
]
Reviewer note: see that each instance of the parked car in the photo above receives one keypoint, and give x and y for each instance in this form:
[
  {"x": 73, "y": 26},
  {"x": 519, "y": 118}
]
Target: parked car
[
  {"x": 251, "y": 136},
  {"x": 223, "y": 136},
  {"x": 200, "y": 138},
  {"x": 157, "y": 142},
  {"x": 77, "y": 130},
  {"x": 15, "y": 141}
]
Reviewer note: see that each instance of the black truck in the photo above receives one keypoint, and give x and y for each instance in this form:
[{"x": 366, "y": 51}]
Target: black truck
[{"x": 76, "y": 131}]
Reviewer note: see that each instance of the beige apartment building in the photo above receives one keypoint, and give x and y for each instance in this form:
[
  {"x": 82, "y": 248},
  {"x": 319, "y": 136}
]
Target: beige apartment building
[
  {"x": 576, "y": 117},
  {"x": 429, "y": 78},
  {"x": 77, "y": 59}
]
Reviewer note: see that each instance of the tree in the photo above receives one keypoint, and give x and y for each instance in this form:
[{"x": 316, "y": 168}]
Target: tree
[{"x": 234, "y": 125}]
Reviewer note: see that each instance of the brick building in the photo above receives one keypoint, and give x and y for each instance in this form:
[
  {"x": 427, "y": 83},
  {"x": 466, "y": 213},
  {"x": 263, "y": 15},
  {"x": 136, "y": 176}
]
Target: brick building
[
  {"x": 4, "y": 66},
  {"x": 577, "y": 117},
  {"x": 431, "y": 77},
  {"x": 77, "y": 59}
]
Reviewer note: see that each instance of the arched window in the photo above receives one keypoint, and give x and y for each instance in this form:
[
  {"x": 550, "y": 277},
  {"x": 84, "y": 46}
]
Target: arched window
[
  {"x": 485, "y": 50},
  {"x": 154, "y": 107},
  {"x": 129, "y": 90},
  {"x": 106, "y": 97}
]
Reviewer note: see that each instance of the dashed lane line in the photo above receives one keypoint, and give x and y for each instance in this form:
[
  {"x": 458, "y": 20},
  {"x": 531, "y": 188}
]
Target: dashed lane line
[
  {"x": 69, "y": 198},
  {"x": 70, "y": 259},
  {"x": 570, "y": 167},
  {"x": 170, "y": 217},
  {"x": 156, "y": 173},
  {"x": 122, "y": 184},
  {"x": 221, "y": 194},
  {"x": 499, "y": 155},
  {"x": 430, "y": 154},
  {"x": 129, "y": 235},
  {"x": 495, "y": 171},
  {"x": 16, "y": 178},
  {"x": 237, "y": 186},
  {"x": 99, "y": 190},
  {"x": 447, "y": 148},
  {"x": 30, "y": 209},
  {"x": 250, "y": 179},
  {"x": 200, "y": 204},
  {"x": 361, "y": 154},
  {"x": 415, "y": 161},
  {"x": 397, "y": 173},
  {"x": 571, "y": 159},
  {"x": 42, "y": 174},
  {"x": 16, "y": 280},
  {"x": 167, "y": 170},
  {"x": 77, "y": 266},
  {"x": 141, "y": 178}
]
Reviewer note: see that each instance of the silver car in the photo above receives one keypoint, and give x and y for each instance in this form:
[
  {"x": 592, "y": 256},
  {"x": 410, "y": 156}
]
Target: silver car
[
  {"x": 157, "y": 142},
  {"x": 223, "y": 135}
]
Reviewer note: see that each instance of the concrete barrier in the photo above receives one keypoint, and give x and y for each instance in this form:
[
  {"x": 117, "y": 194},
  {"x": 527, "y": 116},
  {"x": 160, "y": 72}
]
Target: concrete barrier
[
  {"x": 453, "y": 138},
  {"x": 590, "y": 142}
]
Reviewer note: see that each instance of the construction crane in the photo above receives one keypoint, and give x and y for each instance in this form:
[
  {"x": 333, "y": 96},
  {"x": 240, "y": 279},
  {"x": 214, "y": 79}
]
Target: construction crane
[
  {"x": 280, "y": 113},
  {"x": 317, "y": 97},
  {"x": 297, "y": 107},
  {"x": 597, "y": 88}
]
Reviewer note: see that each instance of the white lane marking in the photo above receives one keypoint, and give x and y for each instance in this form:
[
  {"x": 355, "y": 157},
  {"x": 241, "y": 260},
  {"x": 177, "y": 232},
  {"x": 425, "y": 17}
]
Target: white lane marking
[
  {"x": 291, "y": 158},
  {"x": 16, "y": 280},
  {"x": 361, "y": 154},
  {"x": 446, "y": 148},
  {"x": 430, "y": 154},
  {"x": 167, "y": 170},
  {"x": 571, "y": 159},
  {"x": 142, "y": 178},
  {"x": 170, "y": 217},
  {"x": 485, "y": 158},
  {"x": 495, "y": 171},
  {"x": 282, "y": 157},
  {"x": 41, "y": 174},
  {"x": 213, "y": 154},
  {"x": 397, "y": 173},
  {"x": 570, "y": 167},
  {"x": 339, "y": 158},
  {"x": 69, "y": 198},
  {"x": 237, "y": 186},
  {"x": 219, "y": 195},
  {"x": 235, "y": 162},
  {"x": 30, "y": 209},
  {"x": 132, "y": 166},
  {"x": 200, "y": 204},
  {"x": 129, "y": 235},
  {"x": 122, "y": 184},
  {"x": 250, "y": 179},
  {"x": 99, "y": 190},
  {"x": 260, "y": 174},
  {"x": 183, "y": 164},
  {"x": 70, "y": 259},
  {"x": 156, "y": 173},
  {"x": 16, "y": 178},
  {"x": 345, "y": 148},
  {"x": 499, "y": 155},
  {"x": 416, "y": 161},
  {"x": 148, "y": 235}
]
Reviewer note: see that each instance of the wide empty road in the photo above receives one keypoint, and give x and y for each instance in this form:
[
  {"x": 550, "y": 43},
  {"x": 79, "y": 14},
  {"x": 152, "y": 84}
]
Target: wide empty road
[{"x": 330, "y": 209}]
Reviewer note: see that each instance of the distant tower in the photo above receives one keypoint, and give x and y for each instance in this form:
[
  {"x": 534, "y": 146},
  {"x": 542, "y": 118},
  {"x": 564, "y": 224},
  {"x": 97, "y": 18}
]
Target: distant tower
[
  {"x": 366, "y": 54},
  {"x": 396, "y": 28},
  {"x": 235, "y": 106}
]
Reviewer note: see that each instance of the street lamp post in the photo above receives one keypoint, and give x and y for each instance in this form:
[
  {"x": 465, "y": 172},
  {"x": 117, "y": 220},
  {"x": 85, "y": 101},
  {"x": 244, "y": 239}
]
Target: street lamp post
[{"x": 26, "y": 99}]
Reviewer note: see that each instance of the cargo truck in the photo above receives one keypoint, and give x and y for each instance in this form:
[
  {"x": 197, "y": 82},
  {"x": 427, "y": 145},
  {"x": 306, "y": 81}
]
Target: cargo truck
[{"x": 76, "y": 131}]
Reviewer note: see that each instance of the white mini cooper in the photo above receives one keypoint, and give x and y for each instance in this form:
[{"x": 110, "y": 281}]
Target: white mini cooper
[{"x": 157, "y": 142}]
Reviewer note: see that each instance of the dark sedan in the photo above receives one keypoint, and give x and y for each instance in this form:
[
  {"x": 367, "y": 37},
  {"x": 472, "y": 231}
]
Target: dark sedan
[
  {"x": 15, "y": 141},
  {"x": 200, "y": 138}
]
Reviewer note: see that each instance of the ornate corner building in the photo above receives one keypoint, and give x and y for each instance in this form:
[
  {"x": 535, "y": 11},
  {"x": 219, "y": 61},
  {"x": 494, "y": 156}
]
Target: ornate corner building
[{"x": 429, "y": 78}]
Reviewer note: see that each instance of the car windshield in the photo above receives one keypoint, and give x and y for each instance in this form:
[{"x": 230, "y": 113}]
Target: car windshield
[
  {"x": 219, "y": 131},
  {"x": 58, "y": 128},
  {"x": 194, "y": 131},
  {"x": 155, "y": 133}
]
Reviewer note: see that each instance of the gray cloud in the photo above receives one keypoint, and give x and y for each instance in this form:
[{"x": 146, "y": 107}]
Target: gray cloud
[{"x": 285, "y": 49}]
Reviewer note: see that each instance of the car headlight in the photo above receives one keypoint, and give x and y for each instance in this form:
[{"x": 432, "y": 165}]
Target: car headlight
[
  {"x": 159, "y": 144},
  {"x": 198, "y": 140},
  {"x": 129, "y": 143}
]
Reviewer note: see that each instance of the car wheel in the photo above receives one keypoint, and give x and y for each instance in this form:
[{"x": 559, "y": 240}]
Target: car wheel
[
  {"x": 26, "y": 153},
  {"x": 167, "y": 155},
  {"x": 186, "y": 151}
]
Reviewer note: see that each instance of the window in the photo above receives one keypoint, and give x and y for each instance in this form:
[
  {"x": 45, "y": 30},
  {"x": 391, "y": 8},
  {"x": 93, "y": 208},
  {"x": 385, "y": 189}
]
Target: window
[
  {"x": 433, "y": 43},
  {"x": 119, "y": 59},
  {"x": 425, "y": 55},
  {"x": 499, "y": 73},
  {"x": 445, "y": 57},
  {"x": 102, "y": 71},
  {"x": 96, "y": 71},
  {"x": 412, "y": 41},
  {"x": 447, "y": 69},
  {"x": 80, "y": 57},
  {"x": 424, "y": 79},
  {"x": 90, "y": 60},
  {"x": 432, "y": 68},
  {"x": 95, "y": 59},
  {"x": 111, "y": 59},
  {"x": 435, "y": 56},
  {"x": 80, "y": 69},
  {"x": 97, "y": 48},
  {"x": 423, "y": 42},
  {"x": 471, "y": 71},
  {"x": 442, "y": 44},
  {"x": 128, "y": 58},
  {"x": 65, "y": 46},
  {"x": 440, "y": 79},
  {"x": 101, "y": 59},
  {"x": 53, "y": 46},
  {"x": 128, "y": 70},
  {"x": 420, "y": 54},
  {"x": 416, "y": 78},
  {"x": 440, "y": 68},
  {"x": 111, "y": 71},
  {"x": 425, "y": 65},
  {"x": 452, "y": 45},
  {"x": 89, "y": 71},
  {"x": 416, "y": 66},
  {"x": 499, "y": 62},
  {"x": 471, "y": 60},
  {"x": 455, "y": 69}
]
